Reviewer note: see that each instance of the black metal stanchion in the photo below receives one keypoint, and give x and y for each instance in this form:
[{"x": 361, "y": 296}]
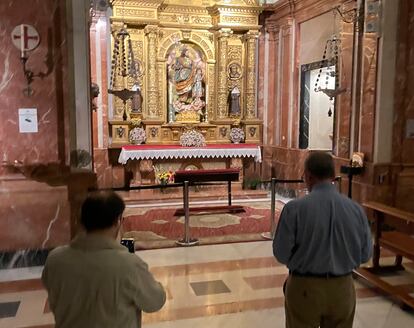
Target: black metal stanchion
[
  {"x": 186, "y": 241},
  {"x": 229, "y": 192},
  {"x": 351, "y": 171},
  {"x": 269, "y": 235}
]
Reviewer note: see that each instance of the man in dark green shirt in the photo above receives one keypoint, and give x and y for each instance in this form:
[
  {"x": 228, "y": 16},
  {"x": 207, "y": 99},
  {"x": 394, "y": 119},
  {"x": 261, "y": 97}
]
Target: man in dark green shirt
[{"x": 95, "y": 282}]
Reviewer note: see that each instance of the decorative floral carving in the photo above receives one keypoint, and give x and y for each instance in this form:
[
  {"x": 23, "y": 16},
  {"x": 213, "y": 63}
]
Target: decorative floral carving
[
  {"x": 239, "y": 20},
  {"x": 137, "y": 136},
  {"x": 236, "y": 135},
  {"x": 120, "y": 131},
  {"x": 252, "y": 131},
  {"x": 152, "y": 34},
  {"x": 192, "y": 138},
  {"x": 222, "y": 73},
  {"x": 154, "y": 132}
]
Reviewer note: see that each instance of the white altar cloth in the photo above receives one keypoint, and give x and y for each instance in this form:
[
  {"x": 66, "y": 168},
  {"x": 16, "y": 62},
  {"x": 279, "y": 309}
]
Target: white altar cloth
[{"x": 138, "y": 152}]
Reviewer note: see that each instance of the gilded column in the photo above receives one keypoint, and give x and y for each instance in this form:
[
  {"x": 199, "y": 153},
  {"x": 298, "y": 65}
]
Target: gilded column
[
  {"x": 250, "y": 91},
  {"x": 151, "y": 31},
  {"x": 222, "y": 91}
]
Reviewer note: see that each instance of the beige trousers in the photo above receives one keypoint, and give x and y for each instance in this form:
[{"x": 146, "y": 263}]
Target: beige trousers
[{"x": 319, "y": 302}]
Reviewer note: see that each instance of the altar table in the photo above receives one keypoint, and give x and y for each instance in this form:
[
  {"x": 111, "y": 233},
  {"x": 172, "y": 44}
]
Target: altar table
[{"x": 138, "y": 152}]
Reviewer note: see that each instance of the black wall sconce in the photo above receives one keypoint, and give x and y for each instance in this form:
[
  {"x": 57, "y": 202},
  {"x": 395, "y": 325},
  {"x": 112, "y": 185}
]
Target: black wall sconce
[{"x": 26, "y": 38}]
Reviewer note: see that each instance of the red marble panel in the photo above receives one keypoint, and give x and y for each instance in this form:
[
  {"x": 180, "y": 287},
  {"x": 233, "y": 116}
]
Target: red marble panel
[
  {"x": 288, "y": 163},
  {"x": 404, "y": 84},
  {"x": 294, "y": 135},
  {"x": 403, "y": 154},
  {"x": 271, "y": 86},
  {"x": 103, "y": 168},
  {"x": 285, "y": 85},
  {"x": 367, "y": 111},
  {"x": 343, "y": 105},
  {"x": 34, "y": 215},
  {"x": 118, "y": 176}
]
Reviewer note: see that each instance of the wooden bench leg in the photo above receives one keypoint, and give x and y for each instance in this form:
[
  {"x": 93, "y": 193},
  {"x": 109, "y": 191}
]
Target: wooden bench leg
[
  {"x": 377, "y": 248},
  {"x": 398, "y": 260}
]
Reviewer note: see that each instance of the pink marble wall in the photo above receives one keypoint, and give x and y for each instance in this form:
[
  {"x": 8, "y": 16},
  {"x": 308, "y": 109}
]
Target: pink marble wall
[
  {"x": 403, "y": 154},
  {"x": 273, "y": 84},
  {"x": 281, "y": 157},
  {"x": 34, "y": 214},
  {"x": 286, "y": 71},
  {"x": 50, "y": 59},
  {"x": 343, "y": 105},
  {"x": 369, "y": 85},
  {"x": 404, "y": 104}
]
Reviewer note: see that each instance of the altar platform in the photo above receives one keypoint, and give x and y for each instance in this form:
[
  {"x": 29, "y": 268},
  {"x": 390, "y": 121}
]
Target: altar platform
[{"x": 197, "y": 194}]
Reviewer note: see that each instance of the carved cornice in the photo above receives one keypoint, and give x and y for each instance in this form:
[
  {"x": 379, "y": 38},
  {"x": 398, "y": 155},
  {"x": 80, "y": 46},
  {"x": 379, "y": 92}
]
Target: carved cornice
[
  {"x": 234, "y": 16},
  {"x": 251, "y": 35},
  {"x": 224, "y": 33},
  {"x": 151, "y": 29},
  {"x": 136, "y": 12},
  {"x": 183, "y": 9},
  {"x": 273, "y": 30},
  {"x": 173, "y": 19},
  {"x": 300, "y": 10},
  {"x": 139, "y": 3},
  {"x": 223, "y": 9}
]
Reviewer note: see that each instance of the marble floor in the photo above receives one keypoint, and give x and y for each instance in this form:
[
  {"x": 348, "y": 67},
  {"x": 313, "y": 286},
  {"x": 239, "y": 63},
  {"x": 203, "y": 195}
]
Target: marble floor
[{"x": 229, "y": 285}]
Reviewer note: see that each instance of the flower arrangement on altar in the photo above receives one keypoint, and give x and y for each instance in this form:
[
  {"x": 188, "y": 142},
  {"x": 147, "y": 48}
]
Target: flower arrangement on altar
[
  {"x": 165, "y": 177},
  {"x": 192, "y": 138},
  {"x": 236, "y": 135},
  {"x": 137, "y": 136},
  {"x": 162, "y": 176}
]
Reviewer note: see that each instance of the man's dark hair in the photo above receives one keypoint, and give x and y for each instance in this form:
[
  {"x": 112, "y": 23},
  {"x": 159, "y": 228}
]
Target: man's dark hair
[
  {"x": 101, "y": 210},
  {"x": 320, "y": 165}
]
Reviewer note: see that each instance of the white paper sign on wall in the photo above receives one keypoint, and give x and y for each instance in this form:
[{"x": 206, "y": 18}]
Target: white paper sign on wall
[{"x": 28, "y": 120}]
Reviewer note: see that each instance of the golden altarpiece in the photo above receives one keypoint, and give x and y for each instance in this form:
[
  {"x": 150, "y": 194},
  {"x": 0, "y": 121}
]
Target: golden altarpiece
[
  {"x": 197, "y": 71},
  {"x": 193, "y": 55}
]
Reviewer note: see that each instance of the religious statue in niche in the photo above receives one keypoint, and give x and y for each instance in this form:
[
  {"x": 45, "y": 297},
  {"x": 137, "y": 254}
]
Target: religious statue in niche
[
  {"x": 234, "y": 102},
  {"x": 186, "y": 83},
  {"x": 136, "y": 100}
]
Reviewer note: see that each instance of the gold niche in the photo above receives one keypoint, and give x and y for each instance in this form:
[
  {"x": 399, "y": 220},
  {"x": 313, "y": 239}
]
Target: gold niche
[{"x": 194, "y": 53}]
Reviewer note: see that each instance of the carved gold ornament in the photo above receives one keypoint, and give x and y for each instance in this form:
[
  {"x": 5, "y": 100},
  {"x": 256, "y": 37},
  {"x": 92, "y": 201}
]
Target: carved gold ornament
[{"x": 234, "y": 71}]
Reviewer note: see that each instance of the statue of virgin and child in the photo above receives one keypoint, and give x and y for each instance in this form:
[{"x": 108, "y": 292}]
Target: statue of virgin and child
[{"x": 186, "y": 78}]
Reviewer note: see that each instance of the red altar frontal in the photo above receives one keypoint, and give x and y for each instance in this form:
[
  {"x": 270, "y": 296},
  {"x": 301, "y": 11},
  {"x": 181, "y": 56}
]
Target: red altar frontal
[{"x": 144, "y": 161}]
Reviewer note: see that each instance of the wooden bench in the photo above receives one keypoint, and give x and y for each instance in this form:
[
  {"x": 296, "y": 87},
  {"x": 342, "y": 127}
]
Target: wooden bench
[{"x": 397, "y": 242}]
